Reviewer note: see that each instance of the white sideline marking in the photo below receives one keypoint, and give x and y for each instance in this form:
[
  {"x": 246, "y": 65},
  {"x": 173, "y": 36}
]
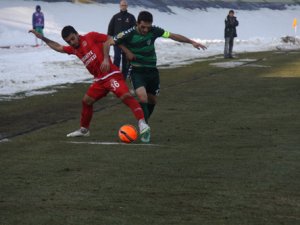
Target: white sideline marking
[
  {"x": 233, "y": 64},
  {"x": 4, "y": 140},
  {"x": 109, "y": 143}
]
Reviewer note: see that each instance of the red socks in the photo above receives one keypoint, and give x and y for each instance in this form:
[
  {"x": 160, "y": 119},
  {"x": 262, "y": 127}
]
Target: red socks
[
  {"x": 135, "y": 107},
  {"x": 87, "y": 111},
  {"x": 86, "y": 115}
]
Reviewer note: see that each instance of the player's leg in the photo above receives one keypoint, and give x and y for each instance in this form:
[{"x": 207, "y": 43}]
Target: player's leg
[
  {"x": 138, "y": 81},
  {"x": 85, "y": 119},
  {"x": 152, "y": 100},
  {"x": 95, "y": 92},
  {"x": 152, "y": 88},
  {"x": 87, "y": 111},
  {"x": 142, "y": 95},
  {"x": 119, "y": 87},
  {"x": 146, "y": 84},
  {"x": 136, "y": 109}
]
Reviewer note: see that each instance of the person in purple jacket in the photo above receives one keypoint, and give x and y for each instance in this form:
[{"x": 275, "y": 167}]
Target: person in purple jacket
[{"x": 38, "y": 22}]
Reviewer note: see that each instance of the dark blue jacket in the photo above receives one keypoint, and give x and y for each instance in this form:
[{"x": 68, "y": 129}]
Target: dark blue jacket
[
  {"x": 230, "y": 27},
  {"x": 120, "y": 22}
]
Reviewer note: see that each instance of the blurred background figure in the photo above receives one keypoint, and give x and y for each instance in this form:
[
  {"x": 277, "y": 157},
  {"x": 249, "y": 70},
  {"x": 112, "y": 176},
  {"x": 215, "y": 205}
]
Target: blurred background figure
[
  {"x": 230, "y": 33},
  {"x": 38, "y": 22},
  {"x": 120, "y": 22}
]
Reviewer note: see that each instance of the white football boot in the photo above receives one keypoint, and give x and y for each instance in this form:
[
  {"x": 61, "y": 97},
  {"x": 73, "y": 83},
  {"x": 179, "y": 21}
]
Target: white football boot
[
  {"x": 144, "y": 131},
  {"x": 82, "y": 132}
]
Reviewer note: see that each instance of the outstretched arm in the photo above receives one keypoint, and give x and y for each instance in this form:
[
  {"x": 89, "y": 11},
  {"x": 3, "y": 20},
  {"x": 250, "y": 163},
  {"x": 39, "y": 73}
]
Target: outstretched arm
[
  {"x": 52, "y": 44},
  {"x": 181, "y": 38}
]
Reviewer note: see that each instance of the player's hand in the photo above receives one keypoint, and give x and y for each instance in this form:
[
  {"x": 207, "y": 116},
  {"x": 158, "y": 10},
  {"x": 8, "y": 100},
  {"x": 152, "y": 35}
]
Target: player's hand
[
  {"x": 199, "y": 46},
  {"x": 130, "y": 56},
  {"x": 105, "y": 66},
  {"x": 38, "y": 35}
]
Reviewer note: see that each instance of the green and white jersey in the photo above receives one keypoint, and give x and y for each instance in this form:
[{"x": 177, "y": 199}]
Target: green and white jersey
[{"x": 142, "y": 46}]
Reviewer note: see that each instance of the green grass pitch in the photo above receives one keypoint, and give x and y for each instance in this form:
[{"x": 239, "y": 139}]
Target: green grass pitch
[{"x": 225, "y": 150}]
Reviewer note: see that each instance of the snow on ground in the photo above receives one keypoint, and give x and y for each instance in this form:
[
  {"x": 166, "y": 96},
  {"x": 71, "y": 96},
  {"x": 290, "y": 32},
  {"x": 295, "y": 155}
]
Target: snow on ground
[
  {"x": 24, "y": 68},
  {"x": 238, "y": 62},
  {"x": 230, "y": 64}
]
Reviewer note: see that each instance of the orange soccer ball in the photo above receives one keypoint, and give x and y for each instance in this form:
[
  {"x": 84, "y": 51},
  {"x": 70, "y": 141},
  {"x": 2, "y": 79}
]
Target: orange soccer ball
[{"x": 128, "y": 133}]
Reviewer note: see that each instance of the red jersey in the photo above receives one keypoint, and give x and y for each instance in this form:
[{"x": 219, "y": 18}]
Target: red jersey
[{"x": 90, "y": 52}]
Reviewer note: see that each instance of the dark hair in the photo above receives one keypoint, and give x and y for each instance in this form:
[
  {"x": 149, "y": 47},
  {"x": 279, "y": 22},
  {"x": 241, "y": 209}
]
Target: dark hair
[
  {"x": 67, "y": 30},
  {"x": 38, "y": 7},
  {"x": 231, "y": 11},
  {"x": 145, "y": 16}
]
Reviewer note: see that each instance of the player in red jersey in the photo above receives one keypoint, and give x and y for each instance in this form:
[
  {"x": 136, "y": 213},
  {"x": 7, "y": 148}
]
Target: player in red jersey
[{"x": 89, "y": 49}]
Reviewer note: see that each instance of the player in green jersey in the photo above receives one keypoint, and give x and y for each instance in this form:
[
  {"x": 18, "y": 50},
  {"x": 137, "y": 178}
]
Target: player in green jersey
[{"x": 138, "y": 44}]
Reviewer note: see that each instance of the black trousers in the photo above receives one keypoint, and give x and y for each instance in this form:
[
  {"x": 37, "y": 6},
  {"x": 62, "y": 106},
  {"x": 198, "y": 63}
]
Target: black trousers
[
  {"x": 228, "y": 47},
  {"x": 118, "y": 56}
]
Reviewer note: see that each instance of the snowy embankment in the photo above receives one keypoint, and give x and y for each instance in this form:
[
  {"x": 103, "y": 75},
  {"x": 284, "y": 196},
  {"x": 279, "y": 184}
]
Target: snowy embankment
[{"x": 25, "y": 68}]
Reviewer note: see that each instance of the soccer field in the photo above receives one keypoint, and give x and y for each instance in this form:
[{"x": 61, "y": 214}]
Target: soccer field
[{"x": 225, "y": 150}]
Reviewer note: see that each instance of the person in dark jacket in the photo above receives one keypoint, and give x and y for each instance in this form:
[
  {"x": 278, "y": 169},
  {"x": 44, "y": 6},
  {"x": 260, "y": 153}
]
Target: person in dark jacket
[
  {"x": 120, "y": 22},
  {"x": 230, "y": 33},
  {"x": 38, "y": 22}
]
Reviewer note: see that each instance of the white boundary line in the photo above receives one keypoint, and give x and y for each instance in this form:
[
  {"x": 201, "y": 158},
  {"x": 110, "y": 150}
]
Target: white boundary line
[
  {"x": 4, "y": 140},
  {"x": 109, "y": 143}
]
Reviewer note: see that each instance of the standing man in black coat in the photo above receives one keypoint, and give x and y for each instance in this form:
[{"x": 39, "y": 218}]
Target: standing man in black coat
[
  {"x": 121, "y": 21},
  {"x": 230, "y": 33}
]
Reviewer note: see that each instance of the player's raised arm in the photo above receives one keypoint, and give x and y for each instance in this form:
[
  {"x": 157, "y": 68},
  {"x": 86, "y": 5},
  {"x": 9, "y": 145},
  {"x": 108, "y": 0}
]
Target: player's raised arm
[
  {"x": 181, "y": 38},
  {"x": 52, "y": 44}
]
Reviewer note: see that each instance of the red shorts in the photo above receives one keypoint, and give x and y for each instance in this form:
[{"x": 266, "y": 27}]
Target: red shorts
[{"x": 114, "y": 83}]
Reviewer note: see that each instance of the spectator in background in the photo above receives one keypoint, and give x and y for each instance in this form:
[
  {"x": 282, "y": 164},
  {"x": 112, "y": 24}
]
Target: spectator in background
[
  {"x": 230, "y": 33},
  {"x": 38, "y": 22},
  {"x": 120, "y": 22}
]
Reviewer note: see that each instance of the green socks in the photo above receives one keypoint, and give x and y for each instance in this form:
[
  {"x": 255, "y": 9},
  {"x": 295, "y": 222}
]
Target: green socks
[{"x": 148, "y": 110}]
